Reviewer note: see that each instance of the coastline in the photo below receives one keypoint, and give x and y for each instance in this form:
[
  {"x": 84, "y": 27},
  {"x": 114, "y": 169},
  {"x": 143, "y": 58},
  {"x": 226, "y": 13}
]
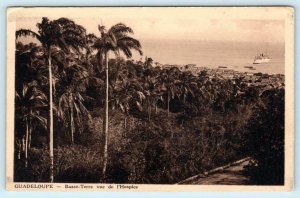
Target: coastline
[{"x": 252, "y": 78}]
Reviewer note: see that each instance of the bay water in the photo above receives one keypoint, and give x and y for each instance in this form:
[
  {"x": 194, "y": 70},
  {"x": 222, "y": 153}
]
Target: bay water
[{"x": 212, "y": 54}]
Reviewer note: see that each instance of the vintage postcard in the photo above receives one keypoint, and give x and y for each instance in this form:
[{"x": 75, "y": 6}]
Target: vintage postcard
[{"x": 150, "y": 99}]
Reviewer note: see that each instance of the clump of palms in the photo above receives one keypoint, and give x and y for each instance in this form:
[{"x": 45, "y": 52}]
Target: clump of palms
[
  {"x": 63, "y": 34},
  {"x": 29, "y": 103}
]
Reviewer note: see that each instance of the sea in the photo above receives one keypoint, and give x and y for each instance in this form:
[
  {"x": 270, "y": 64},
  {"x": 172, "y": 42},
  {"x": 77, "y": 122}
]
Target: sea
[{"x": 212, "y": 54}]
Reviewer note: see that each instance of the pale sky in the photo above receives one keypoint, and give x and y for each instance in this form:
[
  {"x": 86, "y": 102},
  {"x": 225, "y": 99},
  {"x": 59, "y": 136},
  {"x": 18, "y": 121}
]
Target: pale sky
[{"x": 179, "y": 24}]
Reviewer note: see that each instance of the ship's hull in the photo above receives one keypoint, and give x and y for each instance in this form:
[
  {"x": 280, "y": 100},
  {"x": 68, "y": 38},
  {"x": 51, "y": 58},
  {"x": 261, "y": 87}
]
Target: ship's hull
[{"x": 261, "y": 61}]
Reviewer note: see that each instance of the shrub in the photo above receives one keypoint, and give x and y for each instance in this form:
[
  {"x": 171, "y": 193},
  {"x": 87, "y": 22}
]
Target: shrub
[
  {"x": 72, "y": 163},
  {"x": 77, "y": 164}
]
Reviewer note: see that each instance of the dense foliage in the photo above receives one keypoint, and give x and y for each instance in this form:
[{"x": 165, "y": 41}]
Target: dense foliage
[
  {"x": 164, "y": 124},
  {"x": 266, "y": 140}
]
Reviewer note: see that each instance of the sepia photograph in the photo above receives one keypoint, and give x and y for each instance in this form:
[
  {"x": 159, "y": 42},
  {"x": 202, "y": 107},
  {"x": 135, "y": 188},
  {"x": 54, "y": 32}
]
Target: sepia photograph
[{"x": 150, "y": 99}]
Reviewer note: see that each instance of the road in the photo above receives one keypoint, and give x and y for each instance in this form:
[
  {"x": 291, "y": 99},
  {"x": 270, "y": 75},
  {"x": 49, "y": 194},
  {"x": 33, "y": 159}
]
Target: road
[{"x": 232, "y": 175}]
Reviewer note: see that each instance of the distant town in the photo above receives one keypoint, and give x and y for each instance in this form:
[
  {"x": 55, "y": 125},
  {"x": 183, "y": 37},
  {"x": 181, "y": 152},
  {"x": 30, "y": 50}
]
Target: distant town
[{"x": 251, "y": 78}]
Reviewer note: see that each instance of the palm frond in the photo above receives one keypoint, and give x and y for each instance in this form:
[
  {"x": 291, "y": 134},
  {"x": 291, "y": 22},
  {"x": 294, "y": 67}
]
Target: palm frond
[
  {"x": 42, "y": 121},
  {"x": 27, "y": 32},
  {"x": 130, "y": 43},
  {"x": 101, "y": 29},
  {"x": 120, "y": 28}
]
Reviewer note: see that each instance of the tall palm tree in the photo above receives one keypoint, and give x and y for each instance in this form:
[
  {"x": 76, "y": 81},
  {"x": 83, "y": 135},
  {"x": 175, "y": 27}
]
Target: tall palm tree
[
  {"x": 115, "y": 39},
  {"x": 64, "y": 34}
]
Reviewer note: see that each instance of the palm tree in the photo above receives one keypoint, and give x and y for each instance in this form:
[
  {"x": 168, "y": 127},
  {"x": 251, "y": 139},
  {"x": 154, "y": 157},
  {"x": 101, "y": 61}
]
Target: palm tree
[
  {"x": 152, "y": 93},
  {"x": 115, "y": 39},
  {"x": 30, "y": 65},
  {"x": 187, "y": 81},
  {"x": 169, "y": 81},
  {"x": 63, "y": 34},
  {"x": 126, "y": 95},
  {"x": 29, "y": 102},
  {"x": 73, "y": 80},
  {"x": 72, "y": 110},
  {"x": 29, "y": 99},
  {"x": 148, "y": 63}
]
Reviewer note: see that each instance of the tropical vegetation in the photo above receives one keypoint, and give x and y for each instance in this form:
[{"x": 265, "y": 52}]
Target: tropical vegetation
[{"x": 86, "y": 112}]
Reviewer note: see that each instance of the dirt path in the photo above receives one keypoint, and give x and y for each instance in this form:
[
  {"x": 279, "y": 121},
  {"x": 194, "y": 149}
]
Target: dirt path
[{"x": 229, "y": 175}]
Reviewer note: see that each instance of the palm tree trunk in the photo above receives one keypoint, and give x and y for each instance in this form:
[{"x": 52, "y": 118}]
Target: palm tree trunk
[
  {"x": 30, "y": 131},
  {"x": 72, "y": 126},
  {"x": 51, "y": 138},
  {"x": 105, "y": 120},
  {"x": 71, "y": 120},
  {"x": 23, "y": 145},
  {"x": 29, "y": 138},
  {"x": 19, "y": 148},
  {"x": 26, "y": 143}
]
